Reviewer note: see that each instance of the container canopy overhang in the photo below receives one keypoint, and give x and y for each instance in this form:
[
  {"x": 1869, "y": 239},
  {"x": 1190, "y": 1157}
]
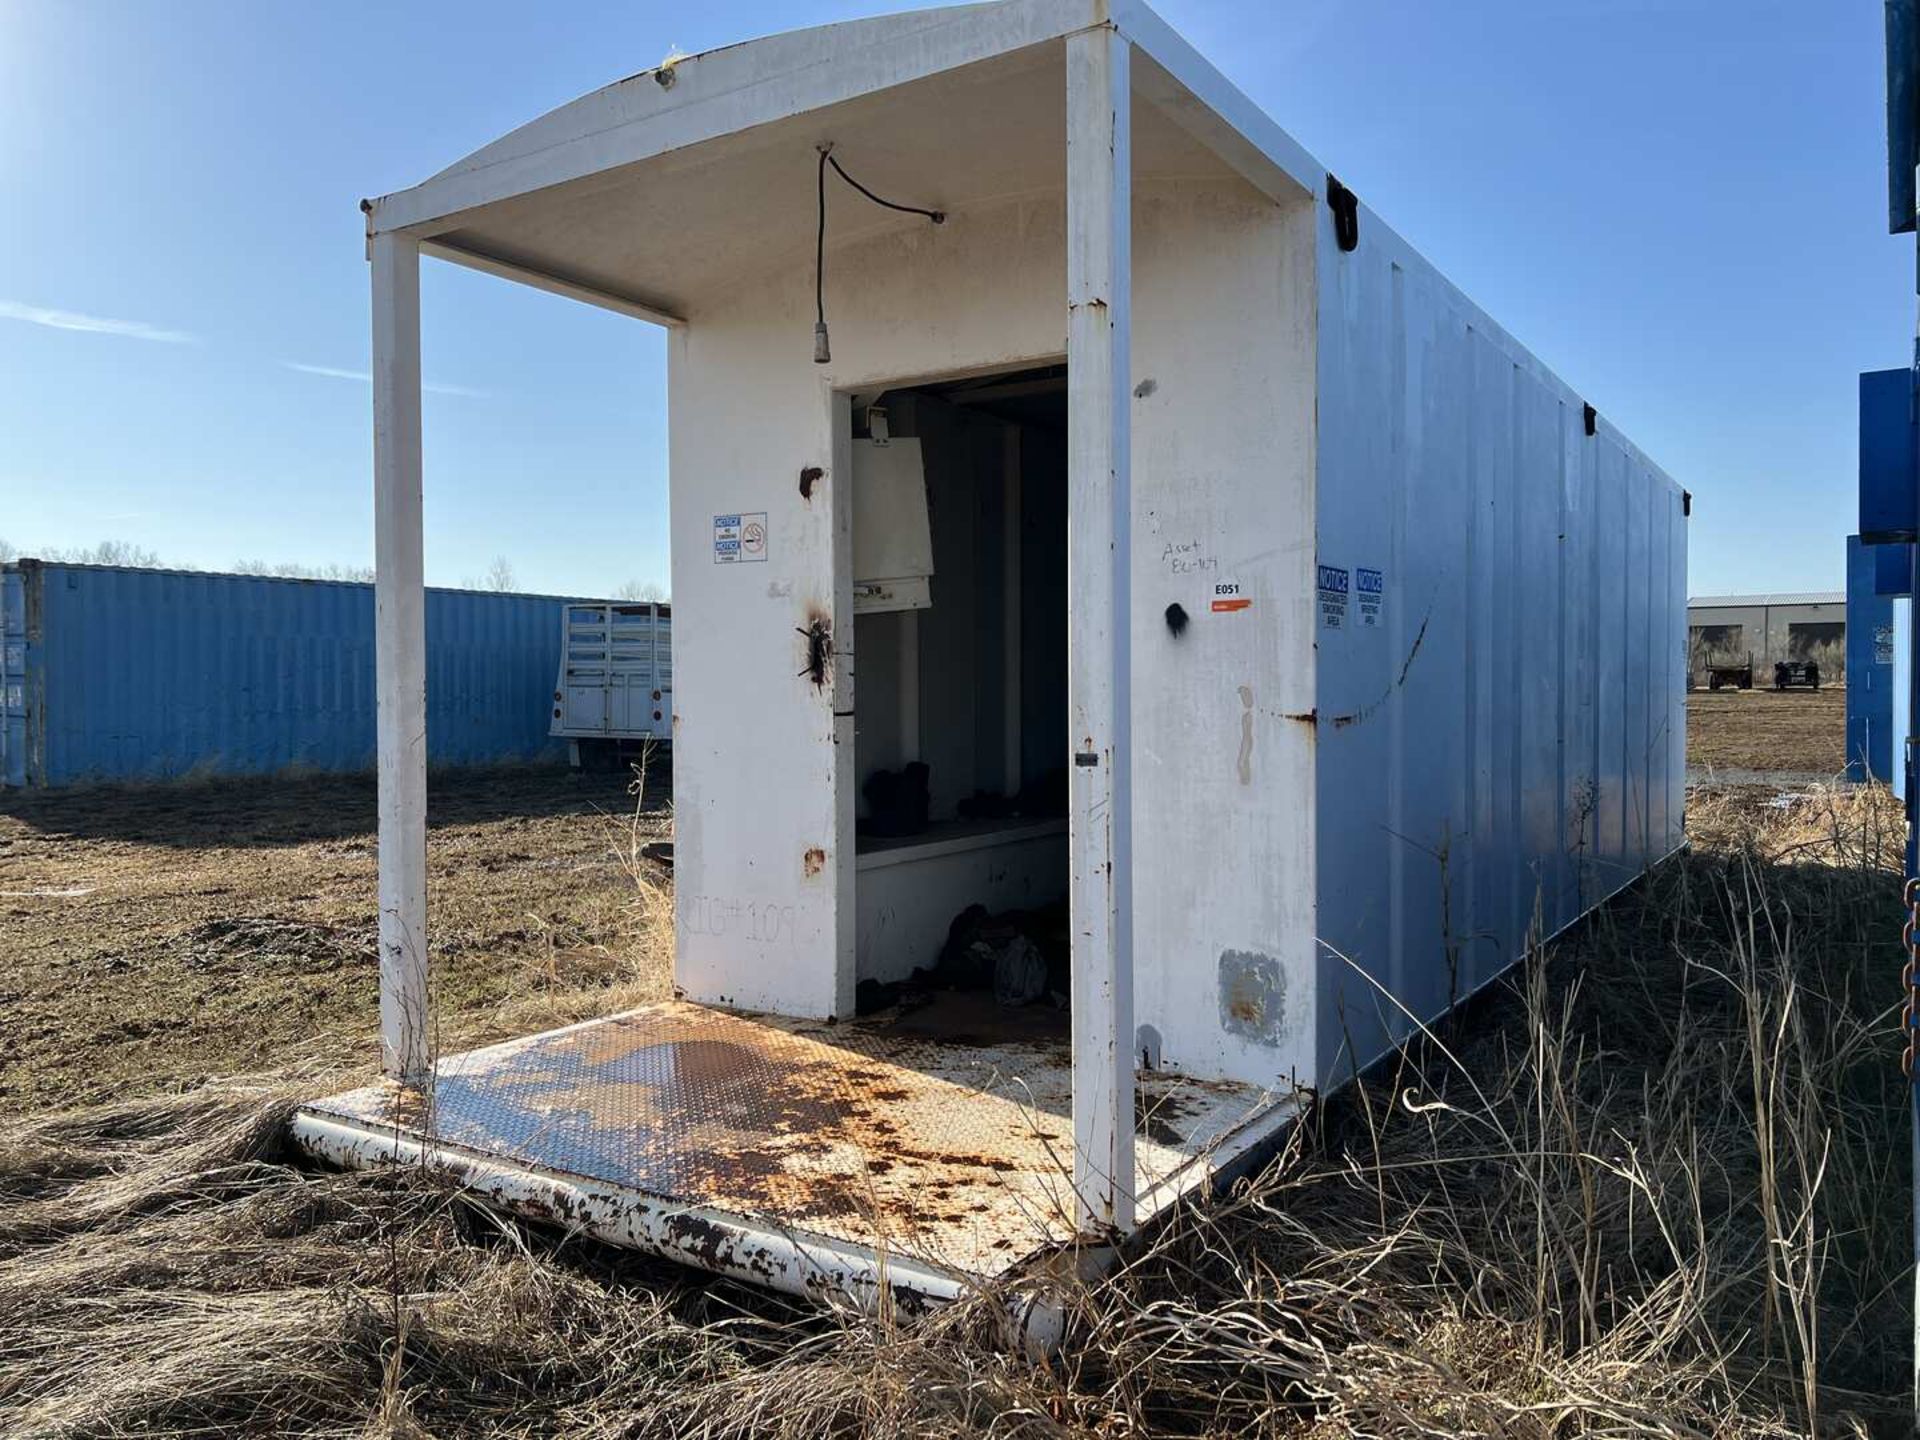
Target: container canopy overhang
[
  {"x": 674, "y": 189},
  {"x": 667, "y": 189}
]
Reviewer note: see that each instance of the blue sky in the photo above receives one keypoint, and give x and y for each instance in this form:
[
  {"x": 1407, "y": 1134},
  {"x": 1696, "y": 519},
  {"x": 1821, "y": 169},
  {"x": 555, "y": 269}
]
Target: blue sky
[{"x": 1678, "y": 204}]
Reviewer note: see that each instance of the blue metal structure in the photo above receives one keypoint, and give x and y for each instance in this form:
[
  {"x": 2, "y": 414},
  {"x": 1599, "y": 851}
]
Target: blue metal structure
[
  {"x": 1903, "y": 112},
  {"x": 125, "y": 674},
  {"x": 1887, "y": 456},
  {"x": 1870, "y": 669},
  {"x": 1892, "y": 568}
]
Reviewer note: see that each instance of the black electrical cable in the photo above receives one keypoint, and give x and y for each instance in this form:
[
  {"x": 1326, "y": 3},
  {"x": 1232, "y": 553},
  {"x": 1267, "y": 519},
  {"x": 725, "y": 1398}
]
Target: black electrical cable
[
  {"x": 820, "y": 249},
  {"x": 938, "y": 217}
]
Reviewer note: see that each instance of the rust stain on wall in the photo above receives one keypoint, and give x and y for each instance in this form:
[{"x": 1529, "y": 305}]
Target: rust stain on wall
[
  {"x": 1253, "y": 995},
  {"x": 1246, "y": 734}
]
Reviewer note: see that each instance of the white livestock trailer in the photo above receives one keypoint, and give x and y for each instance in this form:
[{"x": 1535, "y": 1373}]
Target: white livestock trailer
[
  {"x": 614, "y": 689},
  {"x": 1118, "y": 529}
]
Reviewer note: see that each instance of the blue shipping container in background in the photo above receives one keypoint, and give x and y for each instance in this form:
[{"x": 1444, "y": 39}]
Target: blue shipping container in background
[{"x": 124, "y": 674}]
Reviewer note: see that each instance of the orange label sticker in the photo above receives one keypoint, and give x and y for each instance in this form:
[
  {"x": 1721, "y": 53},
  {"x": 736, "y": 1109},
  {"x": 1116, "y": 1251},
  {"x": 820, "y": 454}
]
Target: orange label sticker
[
  {"x": 1227, "y": 597},
  {"x": 1222, "y": 607}
]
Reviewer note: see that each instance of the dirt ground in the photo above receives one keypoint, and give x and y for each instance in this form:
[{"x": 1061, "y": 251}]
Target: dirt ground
[
  {"x": 154, "y": 938},
  {"x": 1802, "y": 733}
]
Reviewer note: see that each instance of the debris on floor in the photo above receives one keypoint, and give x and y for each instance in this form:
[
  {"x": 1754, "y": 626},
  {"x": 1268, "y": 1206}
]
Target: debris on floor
[{"x": 1020, "y": 956}]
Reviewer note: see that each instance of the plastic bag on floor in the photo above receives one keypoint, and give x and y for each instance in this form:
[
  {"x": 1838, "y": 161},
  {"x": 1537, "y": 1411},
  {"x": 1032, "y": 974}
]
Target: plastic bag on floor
[{"x": 1019, "y": 973}]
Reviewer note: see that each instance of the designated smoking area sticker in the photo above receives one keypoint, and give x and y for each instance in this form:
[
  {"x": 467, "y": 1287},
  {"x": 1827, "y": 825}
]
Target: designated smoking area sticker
[
  {"x": 739, "y": 539},
  {"x": 1334, "y": 586},
  {"x": 1369, "y": 590}
]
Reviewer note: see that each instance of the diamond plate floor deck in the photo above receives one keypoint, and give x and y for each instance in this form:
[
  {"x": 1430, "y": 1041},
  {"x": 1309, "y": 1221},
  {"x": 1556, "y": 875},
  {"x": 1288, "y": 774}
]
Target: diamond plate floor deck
[{"x": 909, "y": 1134}]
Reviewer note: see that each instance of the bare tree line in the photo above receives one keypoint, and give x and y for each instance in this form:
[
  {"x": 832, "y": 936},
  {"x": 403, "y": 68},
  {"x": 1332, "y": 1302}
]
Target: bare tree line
[{"x": 499, "y": 576}]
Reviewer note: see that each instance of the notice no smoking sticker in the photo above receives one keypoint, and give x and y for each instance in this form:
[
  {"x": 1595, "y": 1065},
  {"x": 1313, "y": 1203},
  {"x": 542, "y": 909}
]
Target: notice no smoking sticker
[
  {"x": 1334, "y": 585},
  {"x": 739, "y": 539}
]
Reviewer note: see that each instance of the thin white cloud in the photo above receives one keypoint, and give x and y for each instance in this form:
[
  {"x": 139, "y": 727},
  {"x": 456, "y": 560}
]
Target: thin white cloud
[
  {"x": 329, "y": 371},
  {"x": 91, "y": 324},
  {"x": 334, "y": 372},
  {"x": 435, "y": 387}
]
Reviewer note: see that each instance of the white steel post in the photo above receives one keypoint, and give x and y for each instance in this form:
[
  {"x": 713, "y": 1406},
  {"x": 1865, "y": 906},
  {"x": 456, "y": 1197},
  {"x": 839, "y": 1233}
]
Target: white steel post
[
  {"x": 400, "y": 641},
  {"x": 1011, "y": 729},
  {"x": 1099, "y": 279}
]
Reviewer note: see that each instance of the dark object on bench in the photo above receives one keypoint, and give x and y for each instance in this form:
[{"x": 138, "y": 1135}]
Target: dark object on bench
[{"x": 897, "y": 800}]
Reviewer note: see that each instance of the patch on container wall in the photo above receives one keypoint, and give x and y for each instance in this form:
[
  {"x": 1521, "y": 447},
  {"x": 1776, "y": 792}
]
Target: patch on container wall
[
  {"x": 1253, "y": 996},
  {"x": 739, "y": 539},
  {"x": 1246, "y": 734},
  {"x": 1230, "y": 596},
  {"x": 1334, "y": 585},
  {"x": 1370, "y": 592}
]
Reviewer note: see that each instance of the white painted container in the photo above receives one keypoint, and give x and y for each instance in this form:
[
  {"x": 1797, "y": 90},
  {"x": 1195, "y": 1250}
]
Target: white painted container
[
  {"x": 1510, "y": 698},
  {"x": 1272, "y": 603}
]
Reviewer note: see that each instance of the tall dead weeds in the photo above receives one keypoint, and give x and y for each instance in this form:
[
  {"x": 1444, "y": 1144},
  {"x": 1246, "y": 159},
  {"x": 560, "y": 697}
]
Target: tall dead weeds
[{"x": 1652, "y": 1185}]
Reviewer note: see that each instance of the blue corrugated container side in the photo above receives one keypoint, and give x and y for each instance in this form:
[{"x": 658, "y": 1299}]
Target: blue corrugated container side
[
  {"x": 13, "y": 677},
  {"x": 1869, "y": 668},
  {"x": 156, "y": 674}
]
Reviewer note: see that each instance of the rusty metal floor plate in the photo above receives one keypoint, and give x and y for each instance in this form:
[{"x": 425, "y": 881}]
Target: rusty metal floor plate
[{"x": 903, "y": 1135}]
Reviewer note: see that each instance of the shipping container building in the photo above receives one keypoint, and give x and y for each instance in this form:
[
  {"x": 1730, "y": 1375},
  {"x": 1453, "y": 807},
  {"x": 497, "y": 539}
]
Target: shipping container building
[
  {"x": 1141, "y": 535},
  {"x": 114, "y": 674}
]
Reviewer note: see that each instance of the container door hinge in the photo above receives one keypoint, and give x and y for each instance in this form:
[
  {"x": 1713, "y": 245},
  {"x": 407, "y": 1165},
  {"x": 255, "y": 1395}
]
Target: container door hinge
[
  {"x": 1346, "y": 213},
  {"x": 1686, "y": 503},
  {"x": 1592, "y": 416}
]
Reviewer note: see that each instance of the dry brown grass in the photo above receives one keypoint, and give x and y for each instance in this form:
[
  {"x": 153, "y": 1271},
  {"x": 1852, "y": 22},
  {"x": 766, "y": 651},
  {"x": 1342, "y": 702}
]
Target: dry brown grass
[
  {"x": 1653, "y": 1185},
  {"x": 155, "y": 937},
  {"x": 1797, "y": 732}
]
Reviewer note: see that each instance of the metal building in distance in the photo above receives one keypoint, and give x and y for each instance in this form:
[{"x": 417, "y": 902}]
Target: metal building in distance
[{"x": 1728, "y": 629}]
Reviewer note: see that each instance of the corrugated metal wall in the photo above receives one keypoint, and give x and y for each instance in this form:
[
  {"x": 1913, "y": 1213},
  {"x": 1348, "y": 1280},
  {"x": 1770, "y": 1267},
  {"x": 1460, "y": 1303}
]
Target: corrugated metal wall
[
  {"x": 121, "y": 674},
  {"x": 13, "y": 678},
  {"x": 1508, "y": 734}
]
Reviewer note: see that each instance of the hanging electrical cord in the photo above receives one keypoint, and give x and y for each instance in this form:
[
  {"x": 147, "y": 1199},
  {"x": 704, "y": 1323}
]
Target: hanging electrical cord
[{"x": 822, "y": 351}]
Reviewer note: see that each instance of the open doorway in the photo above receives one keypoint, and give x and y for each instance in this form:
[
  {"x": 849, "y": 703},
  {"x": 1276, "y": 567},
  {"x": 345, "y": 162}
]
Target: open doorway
[{"x": 960, "y": 686}]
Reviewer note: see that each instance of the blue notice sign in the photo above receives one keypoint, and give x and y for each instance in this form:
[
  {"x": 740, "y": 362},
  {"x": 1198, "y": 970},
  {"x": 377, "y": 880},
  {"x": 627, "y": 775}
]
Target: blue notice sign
[
  {"x": 739, "y": 539},
  {"x": 1334, "y": 585},
  {"x": 1369, "y": 590}
]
